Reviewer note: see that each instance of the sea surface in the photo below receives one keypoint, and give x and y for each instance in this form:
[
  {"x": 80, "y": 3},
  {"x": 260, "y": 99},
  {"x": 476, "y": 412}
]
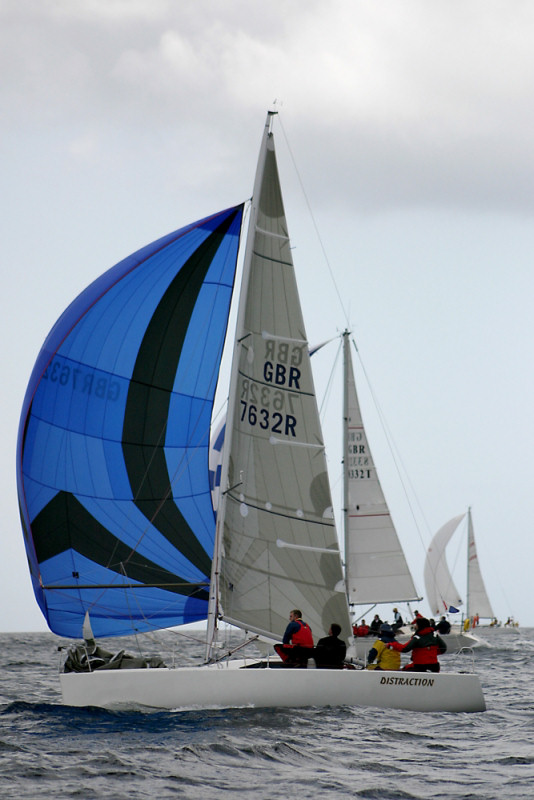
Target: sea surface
[{"x": 48, "y": 750}]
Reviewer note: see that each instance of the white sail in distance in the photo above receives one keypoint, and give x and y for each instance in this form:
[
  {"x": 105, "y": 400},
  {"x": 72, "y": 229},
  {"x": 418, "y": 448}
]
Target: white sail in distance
[
  {"x": 440, "y": 588},
  {"x": 477, "y": 598},
  {"x": 441, "y": 593},
  {"x": 376, "y": 568}
]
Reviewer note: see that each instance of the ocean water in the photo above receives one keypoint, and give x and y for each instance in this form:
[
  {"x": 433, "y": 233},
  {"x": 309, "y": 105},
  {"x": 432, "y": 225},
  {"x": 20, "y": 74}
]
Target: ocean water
[{"x": 48, "y": 750}]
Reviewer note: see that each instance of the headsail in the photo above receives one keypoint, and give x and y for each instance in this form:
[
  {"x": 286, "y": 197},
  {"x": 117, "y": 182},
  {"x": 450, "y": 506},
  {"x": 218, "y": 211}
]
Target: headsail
[
  {"x": 477, "y": 598},
  {"x": 279, "y": 549},
  {"x": 441, "y": 592},
  {"x": 376, "y": 568},
  {"x": 112, "y": 459}
]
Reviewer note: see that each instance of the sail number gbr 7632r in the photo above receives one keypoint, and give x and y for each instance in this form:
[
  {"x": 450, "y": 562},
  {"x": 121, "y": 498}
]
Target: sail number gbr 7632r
[{"x": 270, "y": 403}]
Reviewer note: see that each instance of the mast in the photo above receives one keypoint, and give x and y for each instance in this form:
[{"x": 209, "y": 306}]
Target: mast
[
  {"x": 213, "y": 603},
  {"x": 346, "y": 356},
  {"x": 469, "y": 539}
]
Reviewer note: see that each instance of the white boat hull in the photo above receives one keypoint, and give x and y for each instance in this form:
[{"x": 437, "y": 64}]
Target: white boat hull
[{"x": 231, "y": 687}]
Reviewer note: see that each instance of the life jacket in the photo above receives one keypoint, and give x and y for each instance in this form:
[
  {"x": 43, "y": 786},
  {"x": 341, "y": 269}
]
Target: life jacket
[
  {"x": 425, "y": 655},
  {"x": 360, "y": 630},
  {"x": 425, "y": 647},
  {"x": 303, "y": 637},
  {"x": 386, "y": 658}
]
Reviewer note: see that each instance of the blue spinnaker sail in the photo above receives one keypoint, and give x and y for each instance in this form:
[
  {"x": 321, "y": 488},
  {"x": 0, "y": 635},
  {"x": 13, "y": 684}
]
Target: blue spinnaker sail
[{"x": 112, "y": 455}]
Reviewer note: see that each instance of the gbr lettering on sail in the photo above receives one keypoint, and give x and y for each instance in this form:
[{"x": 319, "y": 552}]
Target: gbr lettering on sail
[{"x": 270, "y": 402}]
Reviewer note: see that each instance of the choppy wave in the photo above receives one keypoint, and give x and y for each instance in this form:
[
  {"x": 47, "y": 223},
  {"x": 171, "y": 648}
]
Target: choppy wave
[{"x": 49, "y": 750}]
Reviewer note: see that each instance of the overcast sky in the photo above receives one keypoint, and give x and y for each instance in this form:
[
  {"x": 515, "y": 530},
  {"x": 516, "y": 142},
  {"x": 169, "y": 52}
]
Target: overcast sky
[{"x": 408, "y": 123}]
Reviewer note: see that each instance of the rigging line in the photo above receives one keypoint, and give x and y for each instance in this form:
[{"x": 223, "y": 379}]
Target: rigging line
[
  {"x": 230, "y": 652},
  {"x": 397, "y": 458},
  {"x": 330, "y": 382},
  {"x": 323, "y": 250},
  {"x": 146, "y": 620}
]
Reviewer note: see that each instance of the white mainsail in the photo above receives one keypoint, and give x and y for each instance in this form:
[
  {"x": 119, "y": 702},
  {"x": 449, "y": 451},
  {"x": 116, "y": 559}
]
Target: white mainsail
[
  {"x": 276, "y": 530},
  {"x": 376, "y": 568},
  {"x": 477, "y": 598}
]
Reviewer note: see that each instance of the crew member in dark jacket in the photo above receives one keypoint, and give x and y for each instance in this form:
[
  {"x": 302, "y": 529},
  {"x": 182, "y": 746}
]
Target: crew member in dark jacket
[
  {"x": 375, "y": 625},
  {"x": 330, "y": 651},
  {"x": 443, "y": 626},
  {"x": 425, "y": 646}
]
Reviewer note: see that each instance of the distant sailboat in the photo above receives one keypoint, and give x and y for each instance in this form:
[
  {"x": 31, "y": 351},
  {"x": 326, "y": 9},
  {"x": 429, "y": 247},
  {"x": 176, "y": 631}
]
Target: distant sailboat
[
  {"x": 114, "y": 476},
  {"x": 442, "y": 594},
  {"x": 376, "y": 570},
  {"x": 375, "y": 565}
]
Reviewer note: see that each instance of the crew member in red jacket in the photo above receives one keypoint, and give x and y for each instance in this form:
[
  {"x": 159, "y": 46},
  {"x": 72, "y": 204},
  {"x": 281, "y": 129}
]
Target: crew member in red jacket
[
  {"x": 297, "y": 644},
  {"x": 425, "y": 646},
  {"x": 360, "y": 630}
]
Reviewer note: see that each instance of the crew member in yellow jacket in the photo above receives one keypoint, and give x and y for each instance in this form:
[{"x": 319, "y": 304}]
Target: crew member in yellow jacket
[{"x": 379, "y": 652}]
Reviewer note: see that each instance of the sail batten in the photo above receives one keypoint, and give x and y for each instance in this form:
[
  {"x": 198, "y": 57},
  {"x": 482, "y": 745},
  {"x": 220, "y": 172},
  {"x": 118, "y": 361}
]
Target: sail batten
[{"x": 273, "y": 234}]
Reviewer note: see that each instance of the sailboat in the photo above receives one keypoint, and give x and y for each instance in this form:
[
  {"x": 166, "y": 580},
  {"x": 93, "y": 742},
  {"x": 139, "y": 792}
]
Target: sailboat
[
  {"x": 442, "y": 594},
  {"x": 376, "y": 567},
  {"x": 113, "y": 476}
]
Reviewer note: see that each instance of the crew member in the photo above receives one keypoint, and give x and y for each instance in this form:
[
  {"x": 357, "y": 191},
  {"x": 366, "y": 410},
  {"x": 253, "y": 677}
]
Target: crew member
[
  {"x": 398, "y": 621},
  {"x": 297, "y": 642},
  {"x": 360, "y": 630},
  {"x": 425, "y": 646},
  {"x": 330, "y": 651},
  {"x": 385, "y": 657},
  {"x": 443, "y": 626}
]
